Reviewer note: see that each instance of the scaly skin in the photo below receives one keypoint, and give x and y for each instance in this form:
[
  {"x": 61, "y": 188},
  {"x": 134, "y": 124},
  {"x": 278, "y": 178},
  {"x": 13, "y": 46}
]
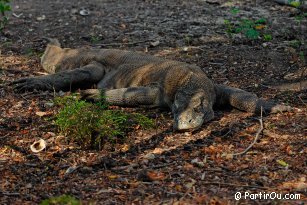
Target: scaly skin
[{"x": 133, "y": 79}]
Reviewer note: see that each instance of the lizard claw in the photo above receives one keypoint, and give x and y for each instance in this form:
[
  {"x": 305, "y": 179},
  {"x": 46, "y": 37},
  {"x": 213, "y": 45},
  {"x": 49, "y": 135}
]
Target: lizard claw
[{"x": 29, "y": 84}]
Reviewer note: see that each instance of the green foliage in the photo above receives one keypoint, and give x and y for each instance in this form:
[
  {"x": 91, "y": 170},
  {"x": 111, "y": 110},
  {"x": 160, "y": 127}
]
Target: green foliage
[
  {"x": 267, "y": 37},
  {"x": 4, "y": 7},
  {"x": 61, "y": 200},
  {"x": 95, "y": 39},
  {"x": 300, "y": 17},
  {"x": 234, "y": 10},
  {"x": 294, "y": 3},
  {"x": 250, "y": 28},
  {"x": 295, "y": 43},
  {"x": 187, "y": 40},
  {"x": 302, "y": 56},
  {"x": 92, "y": 125}
]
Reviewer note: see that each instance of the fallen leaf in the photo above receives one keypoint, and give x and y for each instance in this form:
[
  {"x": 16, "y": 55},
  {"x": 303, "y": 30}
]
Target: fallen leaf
[
  {"x": 41, "y": 114},
  {"x": 178, "y": 187},
  {"x": 156, "y": 176},
  {"x": 289, "y": 150},
  {"x": 299, "y": 186},
  {"x": 157, "y": 151},
  {"x": 70, "y": 170},
  {"x": 260, "y": 27},
  {"x": 190, "y": 184},
  {"x": 282, "y": 163},
  {"x": 125, "y": 148},
  {"x": 112, "y": 177}
]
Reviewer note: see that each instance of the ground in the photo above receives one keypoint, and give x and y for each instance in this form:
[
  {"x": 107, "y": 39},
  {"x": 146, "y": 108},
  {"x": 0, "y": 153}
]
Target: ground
[{"x": 159, "y": 166}]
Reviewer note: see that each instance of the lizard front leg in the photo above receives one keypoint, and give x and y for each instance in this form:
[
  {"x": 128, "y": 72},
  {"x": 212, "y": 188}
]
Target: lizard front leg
[
  {"x": 83, "y": 77},
  {"x": 151, "y": 96}
]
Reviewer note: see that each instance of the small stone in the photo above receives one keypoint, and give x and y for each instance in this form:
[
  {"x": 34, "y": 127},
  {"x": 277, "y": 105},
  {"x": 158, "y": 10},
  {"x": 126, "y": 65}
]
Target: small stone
[
  {"x": 41, "y": 18},
  {"x": 149, "y": 156},
  {"x": 84, "y": 12},
  {"x": 198, "y": 162},
  {"x": 86, "y": 170},
  {"x": 155, "y": 43},
  {"x": 49, "y": 104},
  {"x": 74, "y": 11}
]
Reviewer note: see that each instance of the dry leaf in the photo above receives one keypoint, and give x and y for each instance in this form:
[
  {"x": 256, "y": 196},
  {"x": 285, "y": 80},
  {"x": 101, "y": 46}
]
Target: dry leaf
[
  {"x": 190, "y": 184},
  {"x": 282, "y": 163},
  {"x": 156, "y": 176},
  {"x": 112, "y": 177},
  {"x": 260, "y": 27},
  {"x": 41, "y": 114},
  {"x": 299, "y": 186},
  {"x": 157, "y": 151}
]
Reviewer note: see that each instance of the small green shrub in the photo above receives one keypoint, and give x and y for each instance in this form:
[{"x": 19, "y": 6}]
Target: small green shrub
[
  {"x": 295, "y": 43},
  {"x": 250, "y": 28},
  {"x": 267, "y": 37},
  {"x": 234, "y": 11},
  {"x": 294, "y": 3},
  {"x": 92, "y": 125},
  {"x": 61, "y": 200},
  {"x": 300, "y": 17},
  {"x": 247, "y": 27},
  {"x": 4, "y": 7}
]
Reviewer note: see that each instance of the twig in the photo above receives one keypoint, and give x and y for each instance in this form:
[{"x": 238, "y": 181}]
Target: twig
[
  {"x": 121, "y": 44},
  {"x": 131, "y": 166},
  {"x": 236, "y": 185},
  {"x": 14, "y": 71},
  {"x": 10, "y": 193},
  {"x": 256, "y": 137},
  {"x": 3, "y": 137},
  {"x": 302, "y": 100}
]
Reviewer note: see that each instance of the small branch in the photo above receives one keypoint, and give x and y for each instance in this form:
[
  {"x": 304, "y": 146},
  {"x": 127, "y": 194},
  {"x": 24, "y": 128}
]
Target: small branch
[
  {"x": 236, "y": 185},
  {"x": 121, "y": 44},
  {"x": 3, "y": 137},
  {"x": 10, "y": 193},
  {"x": 122, "y": 168},
  {"x": 14, "y": 71},
  {"x": 256, "y": 137}
]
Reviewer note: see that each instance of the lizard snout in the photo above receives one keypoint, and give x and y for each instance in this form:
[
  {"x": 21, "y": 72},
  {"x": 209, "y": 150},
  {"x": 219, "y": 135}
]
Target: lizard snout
[{"x": 185, "y": 121}]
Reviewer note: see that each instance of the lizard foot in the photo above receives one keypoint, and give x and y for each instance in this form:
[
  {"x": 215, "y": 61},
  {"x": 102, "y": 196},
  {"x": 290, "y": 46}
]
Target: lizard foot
[
  {"x": 30, "y": 84},
  {"x": 93, "y": 95}
]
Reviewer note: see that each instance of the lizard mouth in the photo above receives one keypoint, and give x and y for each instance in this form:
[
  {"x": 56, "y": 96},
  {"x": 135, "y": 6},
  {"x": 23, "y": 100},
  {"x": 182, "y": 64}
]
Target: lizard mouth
[{"x": 190, "y": 125}]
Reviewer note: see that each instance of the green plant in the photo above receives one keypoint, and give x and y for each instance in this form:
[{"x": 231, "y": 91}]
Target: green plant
[
  {"x": 295, "y": 43},
  {"x": 302, "y": 56},
  {"x": 250, "y": 28},
  {"x": 4, "y": 7},
  {"x": 267, "y": 37},
  {"x": 187, "y": 40},
  {"x": 61, "y": 200},
  {"x": 92, "y": 125},
  {"x": 234, "y": 10},
  {"x": 300, "y": 17},
  {"x": 294, "y": 3},
  {"x": 95, "y": 39}
]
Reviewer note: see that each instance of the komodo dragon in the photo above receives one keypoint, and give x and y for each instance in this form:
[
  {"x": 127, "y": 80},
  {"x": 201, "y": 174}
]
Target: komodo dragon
[{"x": 133, "y": 79}]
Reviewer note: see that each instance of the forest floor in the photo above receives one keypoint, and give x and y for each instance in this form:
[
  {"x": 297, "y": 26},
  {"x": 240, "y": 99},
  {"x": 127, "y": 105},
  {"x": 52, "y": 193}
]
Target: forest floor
[{"x": 253, "y": 45}]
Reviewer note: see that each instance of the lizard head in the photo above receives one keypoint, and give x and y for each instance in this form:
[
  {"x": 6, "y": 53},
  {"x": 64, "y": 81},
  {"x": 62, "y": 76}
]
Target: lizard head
[
  {"x": 52, "y": 55},
  {"x": 191, "y": 111}
]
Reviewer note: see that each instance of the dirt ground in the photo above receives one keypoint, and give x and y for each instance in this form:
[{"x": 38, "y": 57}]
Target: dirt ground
[{"x": 159, "y": 166}]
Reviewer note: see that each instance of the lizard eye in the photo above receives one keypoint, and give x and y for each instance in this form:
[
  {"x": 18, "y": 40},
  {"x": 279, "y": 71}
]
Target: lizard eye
[{"x": 197, "y": 109}]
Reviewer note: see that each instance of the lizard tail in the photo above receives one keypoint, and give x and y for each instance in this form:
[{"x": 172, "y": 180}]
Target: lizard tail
[{"x": 245, "y": 101}]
